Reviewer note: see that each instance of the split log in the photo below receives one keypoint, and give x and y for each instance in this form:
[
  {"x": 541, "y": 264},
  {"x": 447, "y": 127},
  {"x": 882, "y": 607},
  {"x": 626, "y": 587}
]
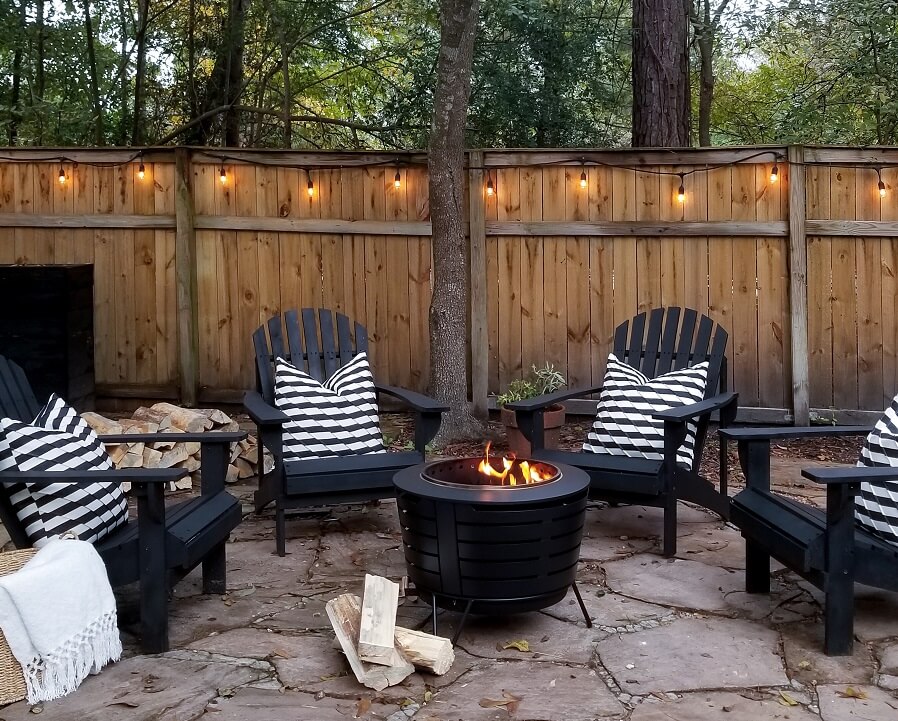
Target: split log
[
  {"x": 424, "y": 650},
  {"x": 132, "y": 460},
  {"x": 379, "y": 602},
  {"x": 116, "y": 452},
  {"x": 219, "y": 418},
  {"x": 186, "y": 419},
  {"x": 244, "y": 469},
  {"x": 192, "y": 464},
  {"x": 129, "y": 425},
  {"x": 233, "y": 475},
  {"x": 101, "y": 424},
  {"x": 151, "y": 458},
  {"x": 150, "y": 415},
  {"x": 345, "y": 614},
  {"x": 172, "y": 458}
]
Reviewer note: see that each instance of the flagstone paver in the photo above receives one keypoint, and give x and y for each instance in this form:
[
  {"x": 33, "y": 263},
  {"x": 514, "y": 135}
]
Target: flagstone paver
[
  {"x": 673, "y": 639},
  {"x": 694, "y": 653}
]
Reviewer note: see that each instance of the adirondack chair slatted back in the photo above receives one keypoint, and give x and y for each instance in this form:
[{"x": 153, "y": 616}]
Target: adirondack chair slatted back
[
  {"x": 666, "y": 339},
  {"x": 17, "y": 400},
  {"x": 315, "y": 340}
]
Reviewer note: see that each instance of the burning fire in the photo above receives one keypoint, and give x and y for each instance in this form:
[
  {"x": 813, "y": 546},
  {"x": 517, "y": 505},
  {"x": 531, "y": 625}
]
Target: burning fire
[{"x": 514, "y": 472}]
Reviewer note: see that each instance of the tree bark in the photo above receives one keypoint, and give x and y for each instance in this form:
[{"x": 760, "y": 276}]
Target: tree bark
[
  {"x": 99, "y": 130},
  {"x": 143, "y": 11},
  {"x": 15, "y": 101},
  {"x": 661, "y": 98},
  {"x": 706, "y": 29},
  {"x": 448, "y": 323},
  {"x": 40, "y": 78}
]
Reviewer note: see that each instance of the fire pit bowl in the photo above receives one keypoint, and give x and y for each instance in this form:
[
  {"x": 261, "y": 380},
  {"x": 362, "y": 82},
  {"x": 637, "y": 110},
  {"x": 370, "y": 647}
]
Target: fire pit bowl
[{"x": 475, "y": 545}]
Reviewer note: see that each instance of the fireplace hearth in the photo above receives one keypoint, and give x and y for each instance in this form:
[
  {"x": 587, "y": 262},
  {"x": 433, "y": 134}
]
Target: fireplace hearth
[{"x": 481, "y": 544}]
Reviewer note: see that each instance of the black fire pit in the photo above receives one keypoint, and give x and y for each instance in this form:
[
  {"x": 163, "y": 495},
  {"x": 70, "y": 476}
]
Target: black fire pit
[{"x": 478, "y": 545}]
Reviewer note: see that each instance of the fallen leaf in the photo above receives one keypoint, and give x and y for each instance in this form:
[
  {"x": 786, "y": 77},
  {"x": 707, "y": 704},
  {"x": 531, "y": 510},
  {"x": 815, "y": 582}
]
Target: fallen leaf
[
  {"x": 128, "y": 704},
  {"x": 244, "y": 592},
  {"x": 519, "y": 644},
  {"x": 427, "y": 696},
  {"x": 851, "y": 692},
  {"x": 786, "y": 700},
  {"x": 226, "y": 692},
  {"x": 406, "y": 702},
  {"x": 362, "y": 707},
  {"x": 804, "y": 665},
  {"x": 508, "y": 700},
  {"x": 552, "y": 683},
  {"x": 544, "y": 638},
  {"x": 36, "y": 709}
]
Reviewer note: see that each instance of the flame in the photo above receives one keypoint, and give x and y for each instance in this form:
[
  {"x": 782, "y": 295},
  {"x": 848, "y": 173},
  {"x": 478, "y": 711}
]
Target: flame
[{"x": 513, "y": 471}]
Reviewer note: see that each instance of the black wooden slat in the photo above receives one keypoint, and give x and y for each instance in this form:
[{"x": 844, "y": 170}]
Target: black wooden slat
[
  {"x": 683, "y": 353},
  {"x": 702, "y": 340},
  {"x": 313, "y": 352},
  {"x": 345, "y": 337},
  {"x": 668, "y": 340},
  {"x": 328, "y": 341},
  {"x": 361, "y": 338},
  {"x": 276, "y": 338},
  {"x": 294, "y": 339},
  {"x": 717, "y": 366},
  {"x": 622, "y": 342},
  {"x": 652, "y": 342},
  {"x": 17, "y": 400},
  {"x": 264, "y": 365}
]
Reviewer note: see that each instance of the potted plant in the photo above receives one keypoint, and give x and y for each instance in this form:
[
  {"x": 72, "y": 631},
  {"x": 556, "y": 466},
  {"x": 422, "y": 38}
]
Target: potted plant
[{"x": 540, "y": 381}]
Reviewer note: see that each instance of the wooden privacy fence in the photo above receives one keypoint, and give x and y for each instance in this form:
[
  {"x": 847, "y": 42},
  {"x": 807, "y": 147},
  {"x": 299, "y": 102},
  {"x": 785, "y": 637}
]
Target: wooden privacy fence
[{"x": 801, "y": 271}]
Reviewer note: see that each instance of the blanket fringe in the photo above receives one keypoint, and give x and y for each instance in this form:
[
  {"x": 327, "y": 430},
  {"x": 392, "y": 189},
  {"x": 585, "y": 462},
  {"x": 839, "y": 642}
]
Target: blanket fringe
[{"x": 61, "y": 671}]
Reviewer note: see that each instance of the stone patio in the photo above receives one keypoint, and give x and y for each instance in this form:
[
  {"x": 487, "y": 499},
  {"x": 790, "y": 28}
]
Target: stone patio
[{"x": 674, "y": 639}]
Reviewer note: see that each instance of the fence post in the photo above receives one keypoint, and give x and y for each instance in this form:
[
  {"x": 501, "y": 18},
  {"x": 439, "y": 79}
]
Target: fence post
[
  {"x": 185, "y": 279},
  {"x": 798, "y": 286},
  {"x": 477, "y": 271}
]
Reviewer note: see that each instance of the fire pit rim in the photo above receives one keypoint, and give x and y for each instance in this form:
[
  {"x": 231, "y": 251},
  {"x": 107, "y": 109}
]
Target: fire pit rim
[{"x": 474, "y": 461}]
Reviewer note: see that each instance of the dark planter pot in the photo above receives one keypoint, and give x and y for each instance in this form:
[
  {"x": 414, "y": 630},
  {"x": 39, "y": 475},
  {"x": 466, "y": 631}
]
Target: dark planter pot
[{"x": 518, "y": 444}]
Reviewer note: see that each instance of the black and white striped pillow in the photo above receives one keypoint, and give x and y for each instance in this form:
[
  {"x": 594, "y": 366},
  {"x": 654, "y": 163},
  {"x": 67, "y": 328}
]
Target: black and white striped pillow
[
  {"x": 876, "y": 507},
  {"x": 624, "y": 425},
  {"x": 59, "y": 439},
  {"x": 337, "y": 418}
]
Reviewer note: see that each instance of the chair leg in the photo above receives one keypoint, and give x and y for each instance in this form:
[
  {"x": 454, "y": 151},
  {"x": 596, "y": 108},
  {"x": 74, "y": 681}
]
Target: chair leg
[
  {"x": 669, "y": 545},
  {"x": 280, "y": 529},
  {"x": 838, "y": 614},
  {"x": 757, "y": 569},
  {"x": 215, "y": 572},
  {"x": 153, "y": 568}
]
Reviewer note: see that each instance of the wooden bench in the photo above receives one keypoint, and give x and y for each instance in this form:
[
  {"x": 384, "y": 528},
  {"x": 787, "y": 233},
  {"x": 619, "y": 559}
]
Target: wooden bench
[
  {"x": 825, "y": 547},
  {"x": 163, "y": 544}
]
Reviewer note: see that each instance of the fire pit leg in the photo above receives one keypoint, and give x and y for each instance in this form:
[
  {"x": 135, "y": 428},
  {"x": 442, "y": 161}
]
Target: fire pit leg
[
  {"x": 461, "y": 624},
  {"x": 582, "y": 605}
]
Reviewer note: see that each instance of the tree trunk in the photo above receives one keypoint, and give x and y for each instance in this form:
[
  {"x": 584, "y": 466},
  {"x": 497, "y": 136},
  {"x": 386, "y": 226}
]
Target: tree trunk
[
  {"x": 122, "y": 127},
  {"x": 448, "y": 324},
  {"x": 40, "y": 81},
  {"x": 237, "y": 25},
  {"x": 15, "y": 101},
  {"x": 99, "y": 130},
  {"x": 143, "y": 9},
  {"x": 661, "y": 100}
]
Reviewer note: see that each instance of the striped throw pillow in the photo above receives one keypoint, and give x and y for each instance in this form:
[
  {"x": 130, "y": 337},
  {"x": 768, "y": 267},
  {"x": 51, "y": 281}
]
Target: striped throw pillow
[
  {"x": 876, "y": 507},
  {"x": 624, "y": 425},
  {"x": 60, "y": 440},
  {"x": 336, "y": 418}
]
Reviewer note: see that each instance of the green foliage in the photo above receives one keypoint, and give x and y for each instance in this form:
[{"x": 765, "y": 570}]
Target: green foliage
[{"x": 540, "y": 381}]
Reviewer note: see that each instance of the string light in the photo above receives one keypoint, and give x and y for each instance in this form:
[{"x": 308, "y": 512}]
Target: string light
[
  {"x": 311, "y": 187},
  {"x": 583, "y": 181},
  {"x": 222, "y": 175},
  {"x": 61, "y": 174},
  {"x": 489, "y": 186},
  {"x": 681, "y": 191},
  {"x": 774, "y": 173},
  {"x": 397, "y": 180},
  {"x": 881, "y": 185},
  {"x": 141, "y": 171}
]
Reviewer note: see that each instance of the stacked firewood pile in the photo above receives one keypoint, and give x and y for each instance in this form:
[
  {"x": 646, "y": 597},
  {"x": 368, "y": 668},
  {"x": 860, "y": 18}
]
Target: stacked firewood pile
[
  {"x": 168, "y": 418},
  {"x": 379, "y": 652}
]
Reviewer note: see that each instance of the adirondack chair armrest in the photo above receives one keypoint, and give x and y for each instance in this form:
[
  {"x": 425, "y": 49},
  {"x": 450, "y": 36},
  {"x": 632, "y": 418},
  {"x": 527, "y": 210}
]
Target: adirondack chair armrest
[
  {"x": 528, "y": 405},
  {"x": 682, "y": 414},
  {"x": 428, "y": 413},
  {"x": 784, "y": 433},
  {"x": 416, "y": 401},
  {"x": 261, "y": 413},
  {"x": 137, "y": 476},
  {"x": 222, "y": 437},
  {"x": 850, "y": 475}
]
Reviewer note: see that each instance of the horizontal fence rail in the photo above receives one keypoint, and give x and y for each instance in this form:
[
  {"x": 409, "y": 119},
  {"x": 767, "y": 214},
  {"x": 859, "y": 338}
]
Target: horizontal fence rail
[{"x": 800, "y": 268}]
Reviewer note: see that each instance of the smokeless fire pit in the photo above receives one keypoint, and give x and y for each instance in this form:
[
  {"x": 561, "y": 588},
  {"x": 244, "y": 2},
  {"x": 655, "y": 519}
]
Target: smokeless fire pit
[{"x": 487, "y": 540}]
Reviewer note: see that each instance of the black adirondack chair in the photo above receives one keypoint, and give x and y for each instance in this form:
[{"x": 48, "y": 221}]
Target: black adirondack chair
[
  {"x": 319, "y": 341},
  {"x": 825, "y": 547},
  {"x": 655, "y": 343},
  {"x": 164, "y": 543}
]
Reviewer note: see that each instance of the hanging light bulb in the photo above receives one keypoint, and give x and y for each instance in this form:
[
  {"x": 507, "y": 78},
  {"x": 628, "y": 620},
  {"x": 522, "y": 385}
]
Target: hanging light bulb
[
  {"x": 222, "y": 175},
  {"x": 141, "y": 171},
  {"x": 489, "y": 187},
  {"x": 774, "y": 173},
  {"x": 583, "y": 181},
  {"x": 681, "y": 191},
  {"x": 311, "y": 187},
  {"x": 881, "y": 185},
  {"x": 61, "y": 174},
  {"x": 397, "y": 180}
]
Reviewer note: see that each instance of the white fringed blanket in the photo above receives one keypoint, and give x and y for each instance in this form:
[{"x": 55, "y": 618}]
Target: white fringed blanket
[{"x": 58, "y": 615}]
